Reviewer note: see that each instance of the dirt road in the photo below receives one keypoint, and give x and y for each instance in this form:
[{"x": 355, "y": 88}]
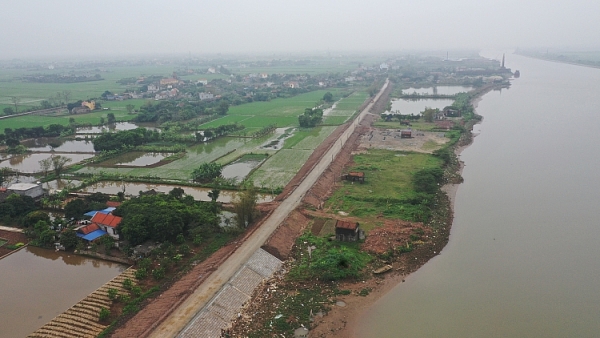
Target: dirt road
[{"x": 175, "y": 322}]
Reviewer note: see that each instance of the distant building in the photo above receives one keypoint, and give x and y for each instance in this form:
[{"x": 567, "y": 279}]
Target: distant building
[
  {"x": 384, "y": 67},
  {"x": 203, "y": 81},
  {"x": 206, "y": 96},
  {"x": 169, "y": 82},
  {"x": 80, "y": 110},
  {"x": 264, "y": 75},
  {"x": 406, "y": 133},
  {"x": 32, "y": 190},
  {"x": 211, "y": 70},
  {"x": 153, "y": 88},
  {"x": 90, "y": 104}
]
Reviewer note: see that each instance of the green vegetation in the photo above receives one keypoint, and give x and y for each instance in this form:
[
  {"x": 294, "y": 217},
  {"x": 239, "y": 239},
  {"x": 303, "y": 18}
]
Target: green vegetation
[
  {"x": 331, "y": 260},
  {"x": 310, "y": 118},
  {"x": 207, "y": 172},
  {"x": 389, "y": 187}
]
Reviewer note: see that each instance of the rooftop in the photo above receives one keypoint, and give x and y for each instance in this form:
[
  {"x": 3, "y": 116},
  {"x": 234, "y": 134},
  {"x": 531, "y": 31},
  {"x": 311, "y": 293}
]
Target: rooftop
[
  {"x": 22, "y": 186},
  {"x": 346, "y": 225},
  {"x": 106, "y": 219}
]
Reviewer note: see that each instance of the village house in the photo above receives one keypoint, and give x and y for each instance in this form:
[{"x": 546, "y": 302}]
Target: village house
[
  {"x": 203, "y": 81},
  {"x": 169, "y": 82},
  {"x": 211, "y": 70},
  {"x": 347, "y": 231},
  {"x": 354, "y": 176},
  {"x": 80, "y": 110},
  {"x": 32, "y": 190},
  {"x": 264, "y": 75},
  {"x": 405, "y": 133},
  {"x": 107, "y": 222},
  {"x": 153, "y": 88},
  {"x": 205, "y": 96},
  {"x": 293, "y": 84}
]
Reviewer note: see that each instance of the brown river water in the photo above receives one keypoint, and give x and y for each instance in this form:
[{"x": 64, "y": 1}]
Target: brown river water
[
  {"x": 39, "y": 284},
  {"x": 522, "y": 260}
]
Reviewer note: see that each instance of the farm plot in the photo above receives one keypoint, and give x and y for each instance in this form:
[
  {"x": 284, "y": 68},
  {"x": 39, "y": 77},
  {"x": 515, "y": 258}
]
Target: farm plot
[
  {"x": 278, "y": 170},
  {"x": 345, "y": 108},
  {"x": 222, "y": 151},
  {"x": 28, "y": 121}
]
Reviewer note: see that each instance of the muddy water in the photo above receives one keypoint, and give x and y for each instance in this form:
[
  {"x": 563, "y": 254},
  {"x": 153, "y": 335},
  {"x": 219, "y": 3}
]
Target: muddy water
[
  {"x": 59, "y": 145},
  {"x": 199, "y": 194},
  {"x": 112, "y": 127},
  {"x": 417, "y": 106},
  {"x": 239, "y": 170},
  {"x": 136, "y": 159},
  {"x": 38, "y": 284},
  {"x": 440, "y": 90},
  {"x": 522, "y": 260},
  {"x": 29, "y": 163}
]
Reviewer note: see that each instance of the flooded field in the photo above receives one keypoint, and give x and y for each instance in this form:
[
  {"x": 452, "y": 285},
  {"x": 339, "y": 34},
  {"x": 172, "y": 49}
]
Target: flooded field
[
  {"x": 39, "y": 284},
  {"x": 416, "y": 106},
  {"x": 135, "y": 159},
  {"x": 113, "y": 127},
  {"x": 441, "y": 90},
  {"x": 199, "y": 194},
  {"x": 59, "y": 145},
  {"x": 242, "y": 167},
  {"x": 60, "y": 184},
  {"x": 29, "y": 163}
]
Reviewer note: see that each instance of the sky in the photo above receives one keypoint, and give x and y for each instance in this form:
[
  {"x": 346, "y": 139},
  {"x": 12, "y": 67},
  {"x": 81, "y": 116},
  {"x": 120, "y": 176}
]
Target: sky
[{"x": 39, "y": 28}]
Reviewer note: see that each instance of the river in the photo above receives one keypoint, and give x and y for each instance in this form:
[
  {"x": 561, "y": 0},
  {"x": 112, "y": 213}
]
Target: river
[{"x": 522, "y": 260}]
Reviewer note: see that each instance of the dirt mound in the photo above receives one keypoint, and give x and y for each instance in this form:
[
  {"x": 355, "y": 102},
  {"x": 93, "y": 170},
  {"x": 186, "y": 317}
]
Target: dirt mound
[
  {"x": 393, "y": 234},
  {"x": 281, "y": 242}
]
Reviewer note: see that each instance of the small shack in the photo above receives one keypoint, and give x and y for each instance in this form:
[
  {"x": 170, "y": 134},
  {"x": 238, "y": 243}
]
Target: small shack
[
  {"x": 451, "y": 112},
  {"x": 405, "y": 133},
  {"x": 347, "y": 231},
  {"x": 354, "y": 176}
]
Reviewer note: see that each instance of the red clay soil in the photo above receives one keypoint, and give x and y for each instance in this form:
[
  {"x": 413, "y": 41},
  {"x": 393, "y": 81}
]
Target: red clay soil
[
  {"x": 12, "y": 238},
  {"x": 157, "y": 309},
  {"x": 281, "y": 242}
]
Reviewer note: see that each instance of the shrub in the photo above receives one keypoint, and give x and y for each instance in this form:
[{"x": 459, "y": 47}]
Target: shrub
[
  {"x": 141, "y": 273},
  {"x": 158, "y": 273},
  {"x": 113, "y": 293},
  {"x": 103, "y": 314},
  {"x": 136, "y": 291},
  {"x": 197, "y": 240},
  {"x": 184, "y": 250},
  {"x": 127, "y": 284}
]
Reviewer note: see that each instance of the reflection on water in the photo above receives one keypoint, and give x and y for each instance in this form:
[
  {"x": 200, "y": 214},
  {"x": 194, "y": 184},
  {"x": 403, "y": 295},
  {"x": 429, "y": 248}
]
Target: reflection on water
[
  {"x": 29, "y": 163},
  {"x": 136, "y": 159},
  {"x": 133, "y": 189},
  {"x": 59, "y": 145},
  {"x": 112, "y": 127},
  {"x": 61, "y": 184},
  {"x": 38, "y": 284},
  {"x": 239, "y": 170},
  {"x": 439, "y": 90},
  {"x": 417, "y": 106}
]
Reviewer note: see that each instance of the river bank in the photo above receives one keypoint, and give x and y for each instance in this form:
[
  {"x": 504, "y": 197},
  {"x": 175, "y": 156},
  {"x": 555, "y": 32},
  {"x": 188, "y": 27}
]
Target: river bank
[{"x": 558, "y": 61}]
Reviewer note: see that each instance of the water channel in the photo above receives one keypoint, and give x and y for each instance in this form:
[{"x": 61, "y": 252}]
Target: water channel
[
  {"x": 522, "y": 260},
  {"x": 39, "y": 284}
]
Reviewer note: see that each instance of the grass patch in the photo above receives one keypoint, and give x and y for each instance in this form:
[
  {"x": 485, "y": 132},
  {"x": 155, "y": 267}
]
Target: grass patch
[{"x": 388, "y": 189}]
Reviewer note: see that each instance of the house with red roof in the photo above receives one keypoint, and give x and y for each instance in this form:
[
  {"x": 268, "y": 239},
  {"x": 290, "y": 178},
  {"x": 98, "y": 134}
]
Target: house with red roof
[
  {"x": 347, "y": 231},
  {"x": 108, "y": 223}
]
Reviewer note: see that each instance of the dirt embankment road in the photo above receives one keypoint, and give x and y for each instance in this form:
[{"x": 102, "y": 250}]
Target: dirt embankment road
[{"x": 180, "y": 317}]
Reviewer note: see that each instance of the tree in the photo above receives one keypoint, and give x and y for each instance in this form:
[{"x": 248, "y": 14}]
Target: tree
[
  {"x": 223, "y": 108},
  {"x": 244, "y": 205},
  {"x": 8, "y": 111},
  {"x": 66, "y": 94},
  {"x": 12, "y": 142},
  {"x": 328, "y": 97},
  {"x": 76, "y": 208},
  {"x": 177, "y": 193},
  {"x": 58, "y": 164},
  {"x": 429, "y": 114},
  {"x": 111, "y": 118},
  {"x": 310, "y": 118},
  {"x": 69, "y": 239},
  {"x": 101, "y": 120},
  {"x": 214, "y": 194},
  {"x": 45, "y": 165},
  {"x": 207, "y": 172},
  {"x": 16, "y": 100},
  {"x": 129, "y": 108}
]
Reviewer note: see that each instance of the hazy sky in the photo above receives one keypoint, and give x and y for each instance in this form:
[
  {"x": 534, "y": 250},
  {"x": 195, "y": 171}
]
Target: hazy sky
[{"x": 32, "y": 28}]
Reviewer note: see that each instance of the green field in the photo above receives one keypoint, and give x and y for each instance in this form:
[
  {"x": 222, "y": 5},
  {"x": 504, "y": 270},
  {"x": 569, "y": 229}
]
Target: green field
[
  {"x": 388, "y": 177},
  {"x": 28, "y": 121},
  {"x": 345, "y": 108}
]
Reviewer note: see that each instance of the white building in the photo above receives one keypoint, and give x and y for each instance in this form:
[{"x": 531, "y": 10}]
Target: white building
[
  {"x": 32, "y": 190},
  {"x": 206, "y": 96}
]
